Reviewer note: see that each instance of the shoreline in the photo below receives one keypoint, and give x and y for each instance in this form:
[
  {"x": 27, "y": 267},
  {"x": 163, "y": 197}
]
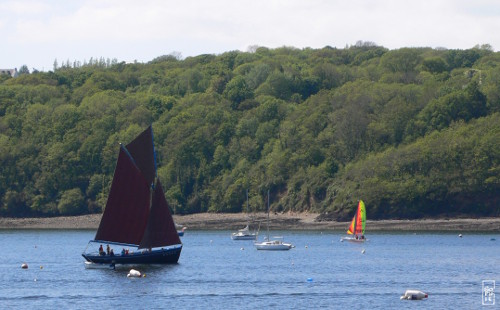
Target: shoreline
[{"x": 285, "y": 221}]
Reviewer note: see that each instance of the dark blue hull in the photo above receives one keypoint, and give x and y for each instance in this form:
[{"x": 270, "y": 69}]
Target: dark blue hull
[{"x": 161, "y": 256}]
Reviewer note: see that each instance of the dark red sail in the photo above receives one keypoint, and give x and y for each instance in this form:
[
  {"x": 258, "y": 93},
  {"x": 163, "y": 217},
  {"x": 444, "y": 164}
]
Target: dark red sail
[
  {"x": 160, "y": 230},
  {"x": 142, "y": 151},
  {"x": 127, "y": 208}
]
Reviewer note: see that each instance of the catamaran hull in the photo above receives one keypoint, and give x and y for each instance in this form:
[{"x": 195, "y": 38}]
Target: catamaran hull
[
  {"x": 163, "y": 256},
  {"x": 353, "y": 240}
]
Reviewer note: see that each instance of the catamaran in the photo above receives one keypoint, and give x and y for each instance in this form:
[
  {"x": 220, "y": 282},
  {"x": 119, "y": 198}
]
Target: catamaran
[
  {"x": 357, "y": 227},
  {"x": 137, "y": 218}
]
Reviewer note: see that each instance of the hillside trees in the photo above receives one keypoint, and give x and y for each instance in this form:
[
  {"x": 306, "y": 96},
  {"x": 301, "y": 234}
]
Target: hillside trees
[{"x": 413, "y": 131}]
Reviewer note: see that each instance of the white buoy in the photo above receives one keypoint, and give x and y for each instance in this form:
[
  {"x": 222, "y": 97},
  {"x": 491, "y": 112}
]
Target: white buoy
[
  {"x": 363, "y": 251},
  {"x": 133, "y": 274},
  {"x": 242, "y": 249},
  {"x": 460, "y": 235},
  {"x": 414, "y": 295},
  {"x": 24, "y": 266}
]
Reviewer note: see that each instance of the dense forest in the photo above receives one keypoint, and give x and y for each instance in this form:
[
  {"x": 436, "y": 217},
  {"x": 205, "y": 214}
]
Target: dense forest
[{"x": 414, "y": 132}]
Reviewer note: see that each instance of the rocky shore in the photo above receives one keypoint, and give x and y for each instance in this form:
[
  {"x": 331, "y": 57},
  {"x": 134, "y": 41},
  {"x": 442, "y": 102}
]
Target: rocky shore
[{"x": 285, "y": 221}]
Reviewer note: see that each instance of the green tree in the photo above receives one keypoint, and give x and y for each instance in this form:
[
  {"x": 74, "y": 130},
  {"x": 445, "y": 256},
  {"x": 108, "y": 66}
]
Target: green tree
[
  {"x": 71, "y": 202},
  {"x": 237, "y": 90}
]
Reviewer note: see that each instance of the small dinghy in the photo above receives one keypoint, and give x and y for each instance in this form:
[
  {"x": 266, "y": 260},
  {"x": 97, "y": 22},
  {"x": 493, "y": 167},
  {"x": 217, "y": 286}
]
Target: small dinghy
[
  {"x": 414, "y": 295},
  {"x": 134, "y": 274}
]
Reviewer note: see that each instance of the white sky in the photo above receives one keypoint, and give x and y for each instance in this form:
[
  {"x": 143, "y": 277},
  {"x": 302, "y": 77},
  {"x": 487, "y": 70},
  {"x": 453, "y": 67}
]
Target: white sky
[{"x": 36, "y": 32}]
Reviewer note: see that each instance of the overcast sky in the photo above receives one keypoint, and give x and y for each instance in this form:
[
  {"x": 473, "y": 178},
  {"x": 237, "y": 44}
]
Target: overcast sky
[{"x": 35, "y": 33}]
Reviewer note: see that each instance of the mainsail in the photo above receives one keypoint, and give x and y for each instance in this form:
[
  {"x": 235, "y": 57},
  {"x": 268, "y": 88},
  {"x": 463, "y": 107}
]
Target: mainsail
[
  {"x": 141, "y": 149},
  {"x": 127, "y": 208},
  {"x": 358, "y": 221}
]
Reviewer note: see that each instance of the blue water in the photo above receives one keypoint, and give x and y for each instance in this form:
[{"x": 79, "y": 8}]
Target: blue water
[{"x": 215, "y": 272}]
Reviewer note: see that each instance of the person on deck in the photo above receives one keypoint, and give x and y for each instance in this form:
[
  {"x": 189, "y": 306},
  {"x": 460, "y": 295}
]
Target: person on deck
[
  {"x": 111, "y": 253},
  {"x": 101, "y": 251},
  {"x": 107, "y": 249}
]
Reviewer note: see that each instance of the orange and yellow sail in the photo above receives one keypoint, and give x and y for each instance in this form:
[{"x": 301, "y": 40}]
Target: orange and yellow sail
[{"x": 358, "y": 223}]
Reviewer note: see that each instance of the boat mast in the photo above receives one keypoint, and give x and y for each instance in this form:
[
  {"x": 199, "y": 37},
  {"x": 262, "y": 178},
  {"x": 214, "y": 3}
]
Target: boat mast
[
  {"x": 248, "y": 216},
  {"x": 268, "y": 215},
  {"x": 247, "y": 200}
]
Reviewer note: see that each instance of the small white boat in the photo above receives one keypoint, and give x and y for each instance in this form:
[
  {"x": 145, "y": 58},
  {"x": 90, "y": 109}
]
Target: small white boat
[
  {"x": 180, "y": 229},
  {"x": 414, "y": 295},
  {"x": 277, "y": 243},
  {"x": 134, "y": 274},
  {"x": 244, "y": 234}
]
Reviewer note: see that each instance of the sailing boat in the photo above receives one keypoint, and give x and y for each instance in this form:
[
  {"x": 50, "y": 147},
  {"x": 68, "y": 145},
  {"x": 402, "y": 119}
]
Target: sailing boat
[
  {"x": 180, "y": 229},
  {"x": 357, "y": 227},
  {"x": 137, "y": 215},
  {"x": 277, "y": 243},
  {"x": 245, "y": 233}
]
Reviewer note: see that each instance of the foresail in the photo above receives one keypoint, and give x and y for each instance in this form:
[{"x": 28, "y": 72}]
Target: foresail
[
  {"x": 352, "y": 227},
  {"x": 142, "y": 151},
  {"x": 160, "y": 230},
  {"x": 127, "y": 208}
]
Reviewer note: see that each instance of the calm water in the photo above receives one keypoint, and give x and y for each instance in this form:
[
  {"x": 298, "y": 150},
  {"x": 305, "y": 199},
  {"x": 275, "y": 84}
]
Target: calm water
[{"x": 215, "y": 272}]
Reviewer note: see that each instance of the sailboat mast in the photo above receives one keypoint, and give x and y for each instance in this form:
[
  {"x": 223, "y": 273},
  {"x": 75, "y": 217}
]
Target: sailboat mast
[{"x": 267, "y": 215}]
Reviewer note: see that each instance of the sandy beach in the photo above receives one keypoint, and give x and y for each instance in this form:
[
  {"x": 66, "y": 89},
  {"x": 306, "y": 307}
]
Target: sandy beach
[{"x": 285, "y": 221}]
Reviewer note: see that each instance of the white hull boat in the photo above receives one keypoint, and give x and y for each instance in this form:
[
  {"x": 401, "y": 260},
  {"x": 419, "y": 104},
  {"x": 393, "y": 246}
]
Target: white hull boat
[
  {"x": 244, "y": 234},
  {"x": 353, "y": 239},
  {"x": 273, "y": 245},
  {"x": 277, "y": 243}
]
